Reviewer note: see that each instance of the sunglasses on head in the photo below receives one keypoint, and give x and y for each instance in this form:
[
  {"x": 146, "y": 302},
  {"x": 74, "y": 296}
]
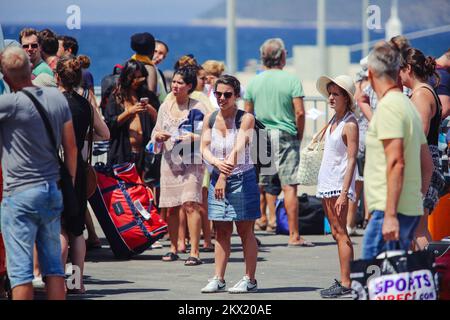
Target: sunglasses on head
[
  {"x": 139, "y": 79},
  {"x": 219, "y": 94},
  {"x": 30, "y": 45}
]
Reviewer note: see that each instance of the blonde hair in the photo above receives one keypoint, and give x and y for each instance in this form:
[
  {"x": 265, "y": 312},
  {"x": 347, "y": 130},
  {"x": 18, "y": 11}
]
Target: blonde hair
[
  {"x": 16, "y": 64},
  {"x": 214, "y": 67}
]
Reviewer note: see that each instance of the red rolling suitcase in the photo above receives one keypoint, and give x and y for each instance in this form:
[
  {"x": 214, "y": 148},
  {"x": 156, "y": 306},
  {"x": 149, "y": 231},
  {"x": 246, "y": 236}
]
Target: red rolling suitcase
[{"x": 124, "y": 208}]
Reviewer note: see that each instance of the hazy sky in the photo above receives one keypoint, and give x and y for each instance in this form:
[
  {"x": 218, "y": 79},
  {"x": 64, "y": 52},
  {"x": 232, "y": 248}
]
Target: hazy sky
[{"x": 104, "y": 11}]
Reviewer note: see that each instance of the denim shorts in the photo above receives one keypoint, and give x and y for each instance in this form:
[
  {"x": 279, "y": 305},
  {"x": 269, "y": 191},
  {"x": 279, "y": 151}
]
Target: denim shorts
[
  {"x": 32, "y": 216},
  {"x": 373, "y": 242},
  {"x": 241, "y": 201}
]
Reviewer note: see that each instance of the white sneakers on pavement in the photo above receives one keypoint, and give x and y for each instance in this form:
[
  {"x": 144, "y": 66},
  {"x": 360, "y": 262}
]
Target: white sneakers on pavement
[
  {"x": 214, "y": 285},
  {"x": 244, "y": 286}
]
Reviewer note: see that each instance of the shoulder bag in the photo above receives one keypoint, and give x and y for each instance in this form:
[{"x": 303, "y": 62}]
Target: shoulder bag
[
  {"x": 70, "y": 201},
  {"x": 311, "y": 159}
]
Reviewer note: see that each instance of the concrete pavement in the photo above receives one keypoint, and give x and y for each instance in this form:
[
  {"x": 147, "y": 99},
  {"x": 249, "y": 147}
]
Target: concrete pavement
[{"x": 282, "y": 272}]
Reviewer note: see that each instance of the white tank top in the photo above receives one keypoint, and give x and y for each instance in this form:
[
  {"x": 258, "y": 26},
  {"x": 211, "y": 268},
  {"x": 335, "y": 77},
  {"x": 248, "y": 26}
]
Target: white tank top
[
  {"x": 334, "y": 163},
  {"x": 222, "y": 146}
]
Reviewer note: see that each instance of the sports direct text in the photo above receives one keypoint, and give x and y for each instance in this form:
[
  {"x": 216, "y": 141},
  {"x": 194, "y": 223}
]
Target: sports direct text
[{"x": 417, "y": 285}]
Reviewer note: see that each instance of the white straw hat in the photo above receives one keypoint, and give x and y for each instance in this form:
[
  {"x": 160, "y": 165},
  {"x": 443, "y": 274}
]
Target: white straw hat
[{"x": 345, "y": 82}]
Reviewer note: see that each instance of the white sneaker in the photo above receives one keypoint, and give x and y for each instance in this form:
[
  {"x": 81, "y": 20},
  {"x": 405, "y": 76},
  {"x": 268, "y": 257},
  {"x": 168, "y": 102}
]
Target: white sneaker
[
  {"x": 157, "y": 245},
  {"x": 351, "y": 231},
  {"x": 38, "y": 283},
  {"x": 214, "y": 285},
  {"x": 244, "y": 286}
]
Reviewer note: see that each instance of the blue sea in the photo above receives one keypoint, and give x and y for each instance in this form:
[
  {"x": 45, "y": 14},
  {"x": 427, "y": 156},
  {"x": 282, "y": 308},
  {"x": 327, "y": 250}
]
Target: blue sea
[{"x": 108, "y": 45}]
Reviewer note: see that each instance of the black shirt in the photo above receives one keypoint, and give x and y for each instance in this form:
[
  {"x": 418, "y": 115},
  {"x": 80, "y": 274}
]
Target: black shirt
[
  {"x": 81, "y": 116},
  {"x": 120, "y": 148}
]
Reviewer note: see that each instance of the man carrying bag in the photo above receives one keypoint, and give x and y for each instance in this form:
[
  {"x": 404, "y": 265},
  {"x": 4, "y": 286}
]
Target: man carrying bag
[
  {"x": 32, "y": 204},
  {"x": 395, "y": 275}
]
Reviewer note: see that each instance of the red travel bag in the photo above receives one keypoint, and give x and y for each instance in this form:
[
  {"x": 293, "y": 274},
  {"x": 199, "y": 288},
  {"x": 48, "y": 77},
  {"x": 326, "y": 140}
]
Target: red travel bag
[{"x": 124, "y": 208}]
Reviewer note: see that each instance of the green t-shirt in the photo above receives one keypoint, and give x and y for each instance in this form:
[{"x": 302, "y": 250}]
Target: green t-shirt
[
  {"x": 42, "y": 67},
  {"x": 271, "y": 93},
  {"x": 396, "y": 117}
]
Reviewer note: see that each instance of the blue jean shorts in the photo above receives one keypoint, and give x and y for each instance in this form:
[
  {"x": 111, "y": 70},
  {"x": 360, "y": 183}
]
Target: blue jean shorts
[
  {"x": 241, "y": 201},
  {"x": 373, "y": 242},
  {"x": 32, "y": 216}
]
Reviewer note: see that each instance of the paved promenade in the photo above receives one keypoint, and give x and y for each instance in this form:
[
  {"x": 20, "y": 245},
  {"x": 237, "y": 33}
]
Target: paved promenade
[{"x": 282, "y": 272}]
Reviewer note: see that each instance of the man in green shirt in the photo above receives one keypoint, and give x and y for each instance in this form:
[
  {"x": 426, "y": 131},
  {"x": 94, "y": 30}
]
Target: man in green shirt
[
  {"x": 30, "y": 43},
  {"x": 276, "y": 99},
  {"x": 398, "y": 163}
]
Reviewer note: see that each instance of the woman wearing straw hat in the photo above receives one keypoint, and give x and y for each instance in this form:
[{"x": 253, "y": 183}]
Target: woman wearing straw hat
[{"x": 336, "y": 182}]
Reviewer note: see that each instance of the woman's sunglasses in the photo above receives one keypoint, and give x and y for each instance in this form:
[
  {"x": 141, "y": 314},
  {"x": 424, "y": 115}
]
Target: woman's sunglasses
[{"x": 219, "y": 94}]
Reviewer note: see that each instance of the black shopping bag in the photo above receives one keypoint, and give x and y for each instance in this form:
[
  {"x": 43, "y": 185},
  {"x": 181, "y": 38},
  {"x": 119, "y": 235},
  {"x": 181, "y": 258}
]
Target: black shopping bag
[{"x": 395, "y": 275}]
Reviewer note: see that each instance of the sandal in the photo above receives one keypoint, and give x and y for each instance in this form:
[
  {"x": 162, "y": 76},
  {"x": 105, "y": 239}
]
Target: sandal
[
  {"x": 192, "y": 261},
  {"x": 207, "y": 249},
  {"x": 170, "y": 256},
  {"x": 260, "y": 226},
  {"x": 271, "y": 227}
]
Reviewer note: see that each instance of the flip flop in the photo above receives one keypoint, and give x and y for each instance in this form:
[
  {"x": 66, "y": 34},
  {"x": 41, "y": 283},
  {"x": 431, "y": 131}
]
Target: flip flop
[
  {"x": 207, "y": 249},
  {"x": 259, "y": 226},
  {"x": 192, "y": 261},
  {"x": 170, "y": 256},
  {"x": 305, "y": 244},
  {"x": 271, "y": 228}
]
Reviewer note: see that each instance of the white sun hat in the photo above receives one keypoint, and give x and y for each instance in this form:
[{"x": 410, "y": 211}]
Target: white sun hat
[{"x": 345, "y": 82}]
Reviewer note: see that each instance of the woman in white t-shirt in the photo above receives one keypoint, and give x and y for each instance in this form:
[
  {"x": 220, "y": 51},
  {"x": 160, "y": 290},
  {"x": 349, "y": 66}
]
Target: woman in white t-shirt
[{"x": 336, "y": 183}]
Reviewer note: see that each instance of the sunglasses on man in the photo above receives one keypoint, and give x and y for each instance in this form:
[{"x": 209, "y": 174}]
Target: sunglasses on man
[
  {"x": 219, "y": 94},
  {"x": 30, "y": 45}
]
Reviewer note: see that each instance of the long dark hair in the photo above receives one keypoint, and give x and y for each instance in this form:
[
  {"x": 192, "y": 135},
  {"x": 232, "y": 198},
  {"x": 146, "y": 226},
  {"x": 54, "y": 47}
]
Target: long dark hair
[{"x": 122, "y": 91}]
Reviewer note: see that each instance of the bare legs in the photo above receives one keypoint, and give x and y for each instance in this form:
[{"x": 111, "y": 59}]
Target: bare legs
[
  {"x": 353, "y": 206},
  {"x": 92, "y": 239},
  {"x": 291, "y": 206},
  {"x": 192, "y": 212},
  {"x": 271, "y": 203},
  {"x": 339, "y": 231},
  {"x": 206, "y": 225},
  {"x": 173, "y": 221},
  {"x": 182, "y": 230},
  {"x": 223, "y": 245},
  {"x": 194, "y": 221},
  {"x": 78, "y": 253}
]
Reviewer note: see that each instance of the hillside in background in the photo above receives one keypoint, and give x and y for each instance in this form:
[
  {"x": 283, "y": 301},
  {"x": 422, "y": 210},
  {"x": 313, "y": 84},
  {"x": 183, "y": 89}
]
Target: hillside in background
[{"x": 414, "y": 14}]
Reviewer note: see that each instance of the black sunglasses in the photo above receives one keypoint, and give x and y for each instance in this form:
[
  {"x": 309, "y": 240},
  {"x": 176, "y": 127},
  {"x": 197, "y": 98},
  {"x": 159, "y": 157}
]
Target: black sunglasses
[
  {"x": 227, "y": 95},
  {"x": 32, "y": 45}
]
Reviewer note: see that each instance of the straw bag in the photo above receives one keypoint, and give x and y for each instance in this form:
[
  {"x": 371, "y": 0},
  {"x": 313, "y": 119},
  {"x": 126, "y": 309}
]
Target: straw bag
[{"x": 311, "y": 159}]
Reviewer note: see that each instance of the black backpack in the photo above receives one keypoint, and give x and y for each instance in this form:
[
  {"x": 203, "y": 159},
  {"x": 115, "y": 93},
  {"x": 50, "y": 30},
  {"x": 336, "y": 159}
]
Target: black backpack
[{"x": 261, "y": 151}]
